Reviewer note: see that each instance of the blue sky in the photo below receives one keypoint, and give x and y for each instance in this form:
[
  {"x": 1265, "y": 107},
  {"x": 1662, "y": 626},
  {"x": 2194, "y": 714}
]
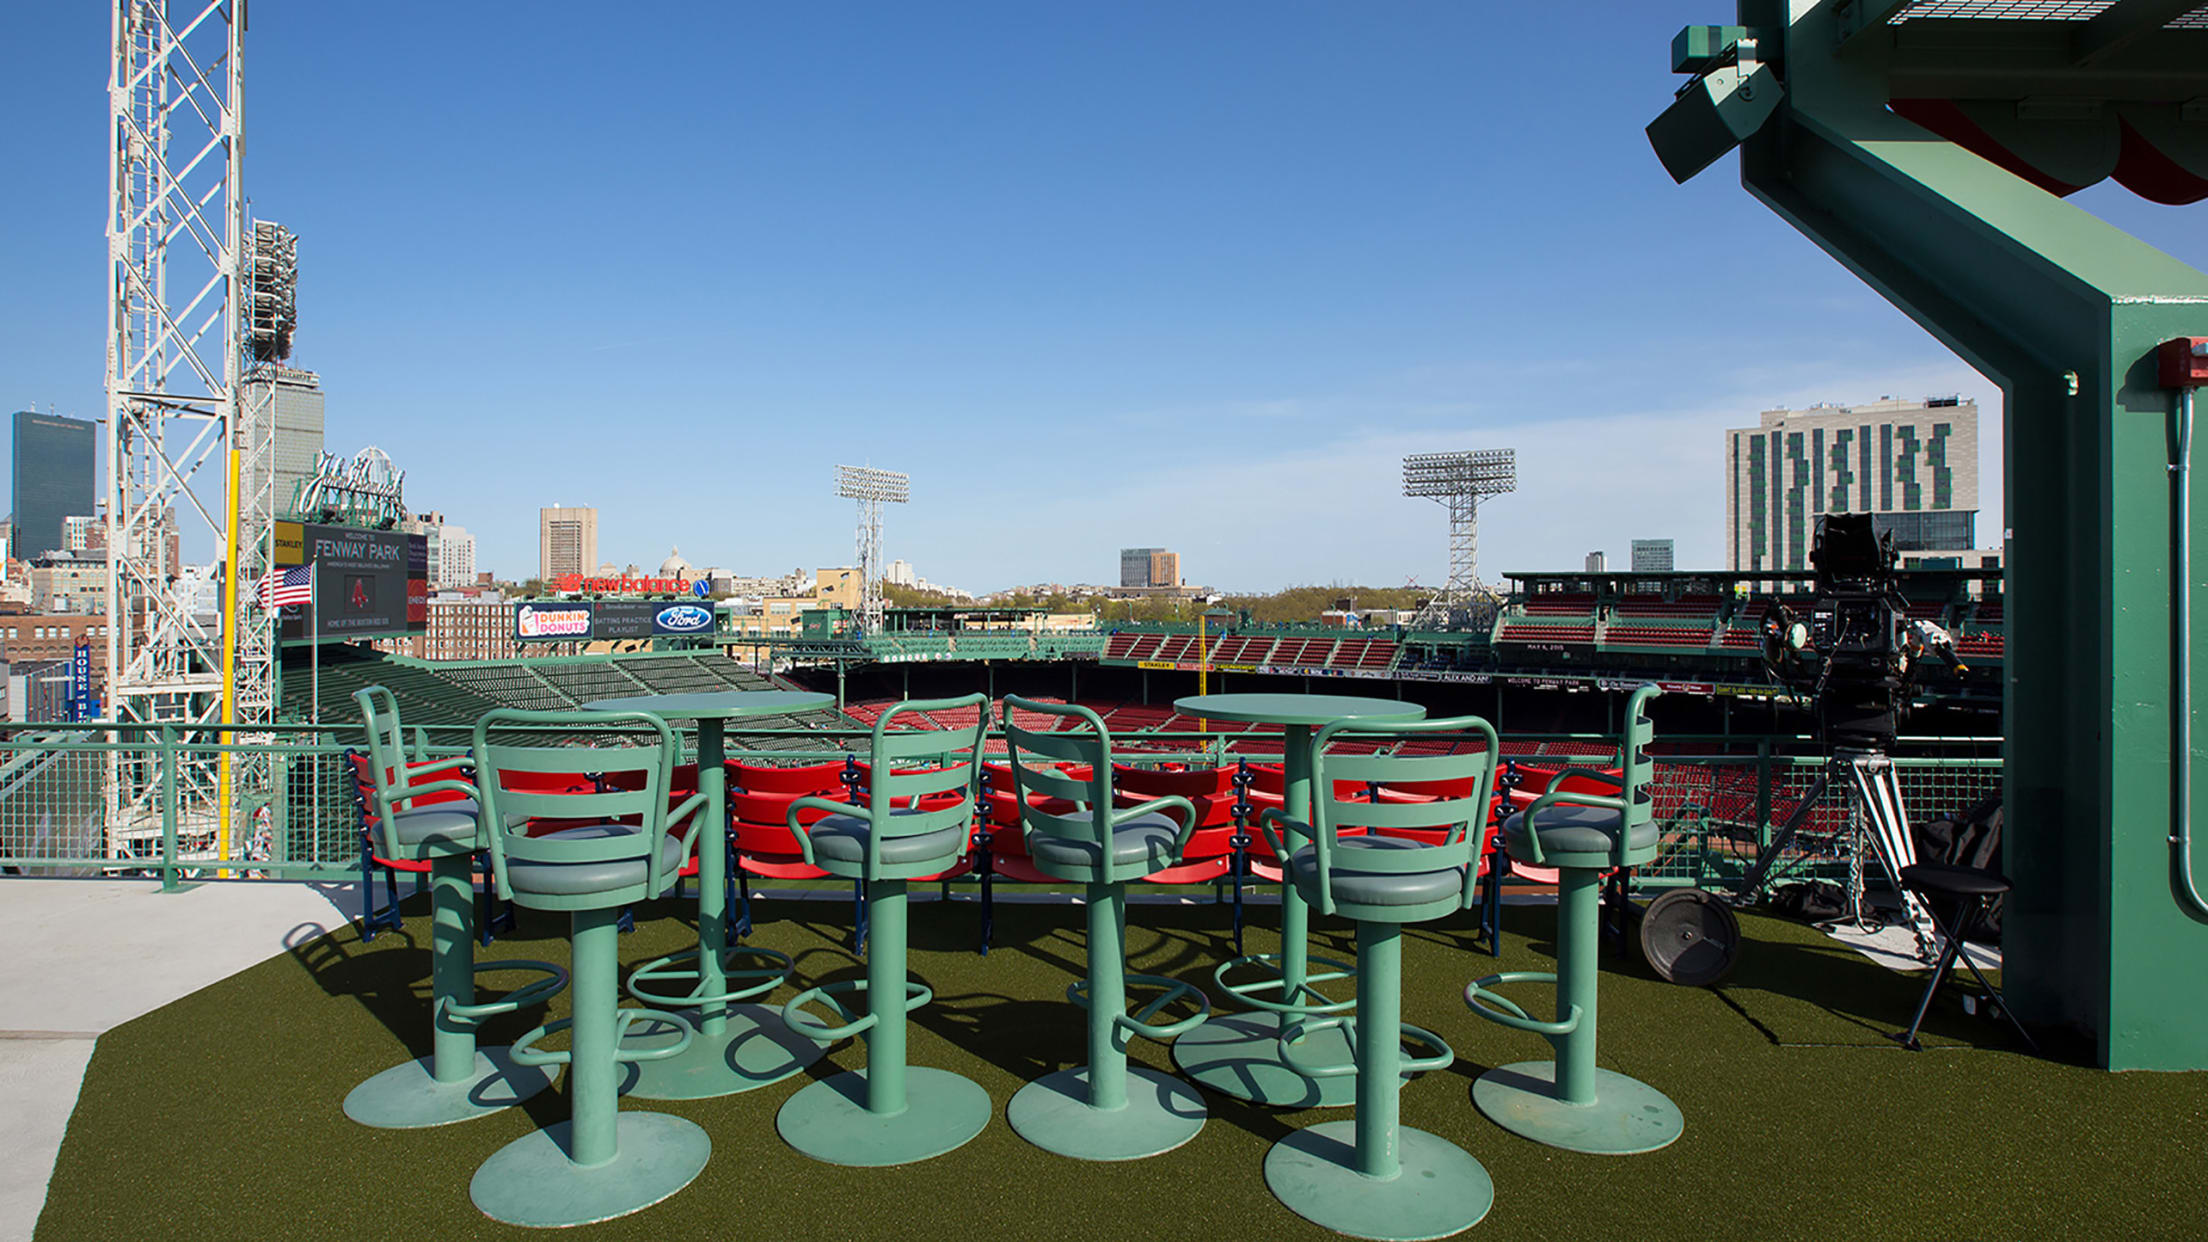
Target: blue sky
[{"x": 1190, "y": 275}]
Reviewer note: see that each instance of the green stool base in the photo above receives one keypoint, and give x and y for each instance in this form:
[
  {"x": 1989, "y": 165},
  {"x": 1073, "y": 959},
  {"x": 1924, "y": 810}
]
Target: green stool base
[
  {"x": 1239, "y": 1056},
  {"x": 407, "y": 1097},
  {"x": 1627, "y": 1116},
  {"x": 1053, "y": 1113},
  {"x": 829, "y": 1122},
  {"x": 753, "y": 1050},
  {"x": 1442, "y": 1190},
  {"x": 530, "y": 1181}
]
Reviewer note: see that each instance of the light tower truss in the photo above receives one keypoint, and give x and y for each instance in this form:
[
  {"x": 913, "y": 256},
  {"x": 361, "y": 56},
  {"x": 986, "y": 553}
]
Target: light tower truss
[
  {"x": 872, "y": 489},
  {"x": 1458, "y": 481},
  {"x": 175, "y": 228}
]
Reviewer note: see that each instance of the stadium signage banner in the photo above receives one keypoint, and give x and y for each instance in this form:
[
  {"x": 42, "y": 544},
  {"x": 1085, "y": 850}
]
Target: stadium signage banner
[
  {"x": 621, "y": 618},
  {"x": 680, "y": 619},
  {"x": 624, "y": 585},
  {"x": 539, "y": 621},
  {"x": 368, "y": 583}
]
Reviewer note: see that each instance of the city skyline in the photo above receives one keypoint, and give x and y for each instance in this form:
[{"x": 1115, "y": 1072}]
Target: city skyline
[{"x": 1148, "y": 291}]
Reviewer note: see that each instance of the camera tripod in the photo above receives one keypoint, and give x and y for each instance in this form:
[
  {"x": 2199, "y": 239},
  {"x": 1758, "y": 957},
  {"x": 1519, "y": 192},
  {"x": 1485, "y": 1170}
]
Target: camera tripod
[{"x": 1874, "y": 799}]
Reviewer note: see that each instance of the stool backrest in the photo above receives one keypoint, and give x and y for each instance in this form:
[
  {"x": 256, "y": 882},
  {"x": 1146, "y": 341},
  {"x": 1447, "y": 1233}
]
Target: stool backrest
[
  {"x": 637, "y": 777},
  {"x": 394, "y": 784},
  {"x": 1639, "y": 767},
  {"x": 1334, "y": 805},
  {"x": 1037, "y": 758},
  {"x": 908, "y": 765}
]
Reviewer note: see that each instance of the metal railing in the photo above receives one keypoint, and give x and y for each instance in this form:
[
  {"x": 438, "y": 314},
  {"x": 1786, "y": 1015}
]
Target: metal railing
[{"x": 61, "y": 785}]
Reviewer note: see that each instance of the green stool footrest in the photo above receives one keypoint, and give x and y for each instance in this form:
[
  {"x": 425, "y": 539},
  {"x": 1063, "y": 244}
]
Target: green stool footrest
[
  {"x": 1246, "y": 992},
  {"x": 644, "y": 980},
  {"x": 1495, "y": 1007},
  {"x": 794, "y": 1017},
  {"x": 525, "y": 1051},
  {"x": 452, "y": 1015},
  {"x": 1138, "y": 1022},
  {"x": 1443, "y": 1057}
]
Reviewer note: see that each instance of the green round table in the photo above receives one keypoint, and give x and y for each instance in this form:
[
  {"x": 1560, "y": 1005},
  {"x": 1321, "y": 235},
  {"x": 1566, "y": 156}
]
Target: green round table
[
  {"x": 1239, "y": 1055},
  {"x": 738, "y": 1046}
]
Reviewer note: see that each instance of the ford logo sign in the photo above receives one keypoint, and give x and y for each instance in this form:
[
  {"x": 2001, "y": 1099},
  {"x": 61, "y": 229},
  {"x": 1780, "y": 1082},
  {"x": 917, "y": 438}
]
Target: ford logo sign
[{"x": 684, "y": 619}]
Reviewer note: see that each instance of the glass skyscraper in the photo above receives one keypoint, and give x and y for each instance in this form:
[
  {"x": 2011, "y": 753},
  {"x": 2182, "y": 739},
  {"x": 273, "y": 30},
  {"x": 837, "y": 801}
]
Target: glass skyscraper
[{"x": 52, "y": 468}]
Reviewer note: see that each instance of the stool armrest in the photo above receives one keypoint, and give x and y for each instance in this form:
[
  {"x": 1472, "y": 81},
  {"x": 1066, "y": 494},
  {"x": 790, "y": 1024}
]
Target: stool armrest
[
  {"x": 1265, "y": 823},
  {"x": 811, "y": 802},
  {"x": 1611, "y": 779},
  {"x": 1166, "y": 803},
  {"x": 387, "y": 803},
  {"x": 688, "y": 809},
  {"x": 1554, "y": 797}
]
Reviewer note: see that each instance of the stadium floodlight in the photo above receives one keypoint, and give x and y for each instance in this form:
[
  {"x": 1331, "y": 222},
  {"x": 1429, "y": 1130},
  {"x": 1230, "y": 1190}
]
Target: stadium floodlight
[
  {"x": 872, "y": 489},
  {"x": 1458, "y": 480}
]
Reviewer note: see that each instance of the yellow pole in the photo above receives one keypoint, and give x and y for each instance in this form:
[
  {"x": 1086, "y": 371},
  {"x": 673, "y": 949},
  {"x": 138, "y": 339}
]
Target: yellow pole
[{"x": 229, "y": 660}]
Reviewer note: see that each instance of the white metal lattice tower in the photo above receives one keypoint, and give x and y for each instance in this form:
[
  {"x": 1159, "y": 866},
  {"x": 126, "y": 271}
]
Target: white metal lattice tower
[
  {"x": 1458, "y": 481},
  {"x": 872, "y": 489},
  {"x": 175, "y": 233}
]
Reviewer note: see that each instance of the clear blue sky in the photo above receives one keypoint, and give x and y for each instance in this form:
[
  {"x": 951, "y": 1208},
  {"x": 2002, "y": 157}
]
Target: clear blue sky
[{"x": 1095, "y": 274}]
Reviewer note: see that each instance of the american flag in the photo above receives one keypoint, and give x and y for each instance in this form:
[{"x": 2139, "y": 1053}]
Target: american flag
[{"x": 290, "y": 586}]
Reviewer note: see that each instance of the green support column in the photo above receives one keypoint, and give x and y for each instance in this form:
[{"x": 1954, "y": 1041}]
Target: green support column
[
  {"x": 887, "y": 909},
  {"x": 2063, "y": 311}
]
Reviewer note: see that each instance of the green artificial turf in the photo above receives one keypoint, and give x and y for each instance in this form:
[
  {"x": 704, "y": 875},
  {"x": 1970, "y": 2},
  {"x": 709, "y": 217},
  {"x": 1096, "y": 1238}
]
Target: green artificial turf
[{"x": 218, "y": 1116}]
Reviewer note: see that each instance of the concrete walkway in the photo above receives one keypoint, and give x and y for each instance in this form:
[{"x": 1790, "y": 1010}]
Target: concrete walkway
[{"x": 79, "y": 957}]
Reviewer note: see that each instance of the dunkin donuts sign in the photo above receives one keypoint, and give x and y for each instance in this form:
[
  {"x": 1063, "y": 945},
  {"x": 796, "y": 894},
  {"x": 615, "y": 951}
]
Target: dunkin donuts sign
[{"x": 552, "y": 621}]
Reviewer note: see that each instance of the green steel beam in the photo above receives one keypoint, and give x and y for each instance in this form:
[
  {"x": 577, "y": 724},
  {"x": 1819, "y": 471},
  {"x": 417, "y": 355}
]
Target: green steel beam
[
  {"x": 2063, "y": 311},
  {"x": 2121, "y": 26}
]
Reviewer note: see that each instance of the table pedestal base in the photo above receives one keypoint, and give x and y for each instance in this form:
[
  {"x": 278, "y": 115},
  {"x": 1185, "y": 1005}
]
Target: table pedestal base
[
  {"x": 531, "y": 1181},
  {"x": 1053, "y": 1112},
  {"x": 1440, "y": 1190}
]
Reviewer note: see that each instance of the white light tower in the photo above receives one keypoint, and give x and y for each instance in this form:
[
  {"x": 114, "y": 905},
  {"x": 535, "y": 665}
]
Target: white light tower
[
  {"x": 1458, "y": 480},
  {"x": 175, "y": 233},
  {"x": 872, "y": 489}
]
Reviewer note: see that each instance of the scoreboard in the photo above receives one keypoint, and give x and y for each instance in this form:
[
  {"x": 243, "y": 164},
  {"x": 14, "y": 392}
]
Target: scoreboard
[{"x": 368, "y": 583}]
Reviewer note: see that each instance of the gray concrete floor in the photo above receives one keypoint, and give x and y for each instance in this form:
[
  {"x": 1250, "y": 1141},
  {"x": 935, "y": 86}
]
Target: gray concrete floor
[{"x": 84, "y": 956}]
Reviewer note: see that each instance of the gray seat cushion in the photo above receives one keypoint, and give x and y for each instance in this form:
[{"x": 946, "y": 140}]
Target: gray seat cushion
[
  {"x": 1376, "y": 888},
  {"x": 583, "y": 878},
  {"x": 842, "y": 838},
  {"x": 1144, "y": 844},
  {"x": 440, "y": 824},
  {"x": 1569, "y": 829}
]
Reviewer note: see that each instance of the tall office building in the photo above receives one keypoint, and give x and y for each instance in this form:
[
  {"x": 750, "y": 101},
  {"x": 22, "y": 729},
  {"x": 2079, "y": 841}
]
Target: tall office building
[
  {"x": 1597, "y": 562},
  {"x": 455, "y": 563},
  {"x": 567, "y": 541},
  {"x": 1652, "y": 556},
  {"x": 1149, "y": 567},
  {"x": 53, "y": 479},
  {"x": 1912, "y": 465},
  {"x": 297, "y": 395}
]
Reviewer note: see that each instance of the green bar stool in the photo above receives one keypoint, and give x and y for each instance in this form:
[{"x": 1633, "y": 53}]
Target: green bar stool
[
  {"x": 890, "y": 1113},
  {"x": 1107, "y": 1109},
  {"x": 1372, "y": 1177},
  {"x": 601, "y": 1162},
  {"x": 1569, "y": 1102},
  {"x": 456, "y": 1081}
]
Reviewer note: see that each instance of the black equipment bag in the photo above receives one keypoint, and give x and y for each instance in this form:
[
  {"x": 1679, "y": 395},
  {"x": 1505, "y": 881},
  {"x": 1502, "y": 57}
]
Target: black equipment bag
[{"x": 1972, "y": 839}]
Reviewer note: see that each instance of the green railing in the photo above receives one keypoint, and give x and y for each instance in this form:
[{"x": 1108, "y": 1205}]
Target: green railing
[{"x": 147, "y": 800}]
